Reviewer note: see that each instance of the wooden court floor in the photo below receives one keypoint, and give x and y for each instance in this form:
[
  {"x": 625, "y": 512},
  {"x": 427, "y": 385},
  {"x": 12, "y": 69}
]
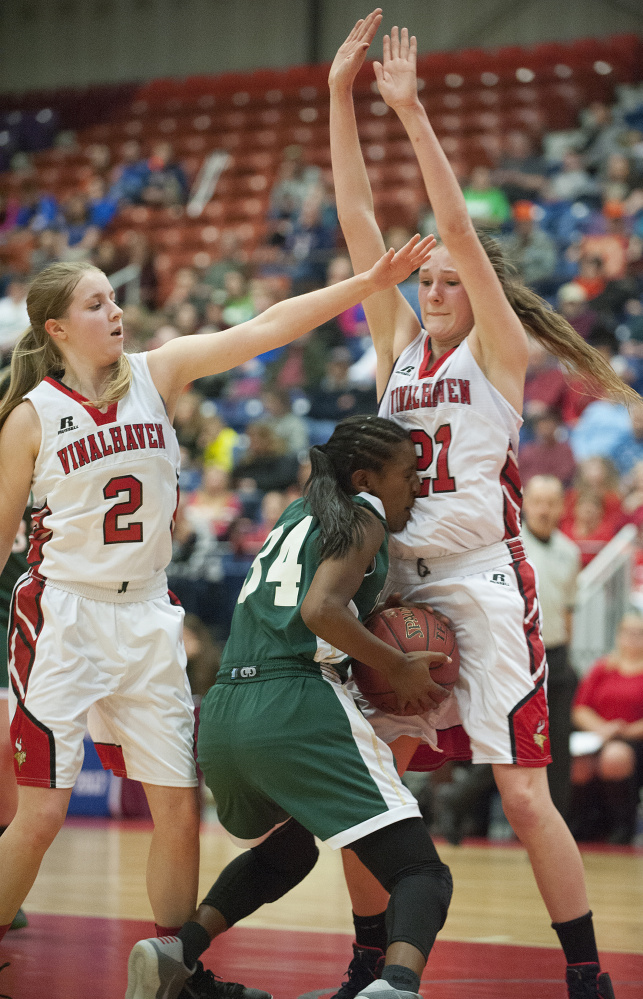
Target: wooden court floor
[{"x": 89, "y": 906}]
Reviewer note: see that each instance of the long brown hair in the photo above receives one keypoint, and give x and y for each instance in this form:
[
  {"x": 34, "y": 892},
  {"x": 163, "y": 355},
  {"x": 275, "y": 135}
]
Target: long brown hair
[
  {"x": 553, "y": 331},
  {"x": 36, "y": 355}
]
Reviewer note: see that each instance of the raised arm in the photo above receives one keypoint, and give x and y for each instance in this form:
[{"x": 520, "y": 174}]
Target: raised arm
[
  {"x": 391, "y": 319},
  {"x": 498, "y": 340},
  {"x": 182, "y": 360}
]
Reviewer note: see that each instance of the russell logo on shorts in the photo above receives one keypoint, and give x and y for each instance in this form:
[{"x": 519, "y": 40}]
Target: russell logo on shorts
[{"x": 244, "y": 673}]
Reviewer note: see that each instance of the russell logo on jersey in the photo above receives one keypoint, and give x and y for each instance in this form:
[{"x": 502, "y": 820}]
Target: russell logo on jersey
[{"x": 67, "y": 424}]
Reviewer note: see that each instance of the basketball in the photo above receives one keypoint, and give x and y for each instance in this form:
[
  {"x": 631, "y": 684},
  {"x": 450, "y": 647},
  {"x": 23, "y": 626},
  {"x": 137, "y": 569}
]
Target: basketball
[{"x": 410, "y": 629}]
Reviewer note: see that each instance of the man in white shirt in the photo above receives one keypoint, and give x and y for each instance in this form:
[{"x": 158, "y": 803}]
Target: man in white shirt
[{"x": 557, "y": 561}]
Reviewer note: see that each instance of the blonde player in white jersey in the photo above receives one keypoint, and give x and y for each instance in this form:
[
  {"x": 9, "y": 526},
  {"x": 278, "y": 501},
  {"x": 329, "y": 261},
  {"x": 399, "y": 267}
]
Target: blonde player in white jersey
[
  {"x": 94, "y": 636},
  {"x": 457, "y": 385}
]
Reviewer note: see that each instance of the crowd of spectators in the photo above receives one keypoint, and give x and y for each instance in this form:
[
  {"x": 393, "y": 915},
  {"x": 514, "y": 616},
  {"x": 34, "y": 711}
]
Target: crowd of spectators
[{"x": 572, "y": 226}]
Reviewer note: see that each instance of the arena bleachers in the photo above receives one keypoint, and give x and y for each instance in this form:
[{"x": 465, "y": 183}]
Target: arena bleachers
[{"x": 473, "y": 96}]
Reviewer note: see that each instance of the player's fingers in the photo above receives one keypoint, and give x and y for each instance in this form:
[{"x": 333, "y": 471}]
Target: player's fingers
[
  {"x": 395, "y": 42},
  {"x": 393, "y": 600},
  {"x": 354, "y": 33},
  {"x": 404, "y": 43},
  {"x": 424, "y": 246},
  {"x": 371, "y": 24},
  {"x": 413, "y": 49},
  {"x": 436, "y": 613},
  {"x": 386, "y": 48}
]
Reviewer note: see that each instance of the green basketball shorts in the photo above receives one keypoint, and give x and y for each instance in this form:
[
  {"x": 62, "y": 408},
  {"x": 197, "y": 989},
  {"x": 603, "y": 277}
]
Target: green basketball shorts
[{"x": 289, "y": 743}]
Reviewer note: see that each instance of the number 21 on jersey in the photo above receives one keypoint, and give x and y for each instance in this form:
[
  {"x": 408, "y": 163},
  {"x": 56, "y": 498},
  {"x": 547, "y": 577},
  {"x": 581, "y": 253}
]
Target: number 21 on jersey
[
  {"x": 441, "y": 481},
  {"x": 285, "y": 568}
]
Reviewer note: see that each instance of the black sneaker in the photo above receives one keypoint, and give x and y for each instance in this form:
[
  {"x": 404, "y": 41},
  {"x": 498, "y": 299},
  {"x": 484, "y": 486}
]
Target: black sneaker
[
  {"x": 365, "y": 967},
  {"x": 586, "y": 981},
  {"x": 203, "y": 984}
]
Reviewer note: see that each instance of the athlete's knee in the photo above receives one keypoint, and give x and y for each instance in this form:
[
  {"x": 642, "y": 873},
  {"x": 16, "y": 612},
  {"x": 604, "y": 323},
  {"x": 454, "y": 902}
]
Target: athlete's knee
[
  {"x": 263, "y": 874},
  {"x": 526, "y": 801},
  {"x": 433, "y": 882},
  {"x": 175, "y": 810},
  {"x": 418, "y": 905},
  {"x": 39, "y": 818},
  {"x": 289, "y": 854}
]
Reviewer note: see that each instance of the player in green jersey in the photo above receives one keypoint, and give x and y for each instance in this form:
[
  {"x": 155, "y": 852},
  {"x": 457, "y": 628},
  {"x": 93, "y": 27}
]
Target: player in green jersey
[{"x": 284, "y": 749}]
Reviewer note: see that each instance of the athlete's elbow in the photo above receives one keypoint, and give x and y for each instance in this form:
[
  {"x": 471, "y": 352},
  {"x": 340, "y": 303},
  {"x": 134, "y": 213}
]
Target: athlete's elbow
[{"x": 315, "y": 612}]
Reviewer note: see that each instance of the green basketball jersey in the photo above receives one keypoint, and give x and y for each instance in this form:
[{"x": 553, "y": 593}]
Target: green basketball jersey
[{"x": 267, "y": 627}]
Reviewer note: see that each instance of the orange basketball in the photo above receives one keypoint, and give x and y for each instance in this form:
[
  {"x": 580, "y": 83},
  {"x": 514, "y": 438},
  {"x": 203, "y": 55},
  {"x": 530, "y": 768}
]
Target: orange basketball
[{"x": 410, "y": 629}]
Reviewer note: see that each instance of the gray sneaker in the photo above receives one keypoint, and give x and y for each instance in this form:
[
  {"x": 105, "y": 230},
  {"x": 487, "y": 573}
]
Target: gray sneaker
[
  {"x": 382, "y": 990},
  {"x": 155, "y": 969}
]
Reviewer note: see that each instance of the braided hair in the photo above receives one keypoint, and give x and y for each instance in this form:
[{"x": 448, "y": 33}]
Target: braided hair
[{"x": 358, "y": 442}]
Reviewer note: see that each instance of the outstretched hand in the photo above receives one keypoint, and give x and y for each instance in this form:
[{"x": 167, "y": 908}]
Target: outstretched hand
[
  {"x": 393, "y": 267},
  {"x": 396, "y": 75},
  {"x": 351, "y": 54}
]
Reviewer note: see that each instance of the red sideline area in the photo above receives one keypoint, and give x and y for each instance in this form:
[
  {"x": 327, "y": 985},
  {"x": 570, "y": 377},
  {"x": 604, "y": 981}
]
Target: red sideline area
[{"x": 67, "y": 957}]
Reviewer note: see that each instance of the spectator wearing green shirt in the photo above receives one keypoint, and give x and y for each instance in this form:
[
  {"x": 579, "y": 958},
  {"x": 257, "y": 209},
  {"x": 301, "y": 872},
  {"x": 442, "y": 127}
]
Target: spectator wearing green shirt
[{"x": 487, "y": 205}]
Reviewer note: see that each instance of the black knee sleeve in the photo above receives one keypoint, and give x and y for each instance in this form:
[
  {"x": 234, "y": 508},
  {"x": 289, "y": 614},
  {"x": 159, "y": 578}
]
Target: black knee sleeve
[
  {"x": 404, "y": 860},
  {"x": 264, "y": 873},
  {"x": 418, "y": 906}
]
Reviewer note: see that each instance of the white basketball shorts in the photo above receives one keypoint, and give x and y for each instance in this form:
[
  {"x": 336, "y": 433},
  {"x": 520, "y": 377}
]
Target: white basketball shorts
[
  {"x": 115, "y": 668},
  {"x": 501, "y": 694}
]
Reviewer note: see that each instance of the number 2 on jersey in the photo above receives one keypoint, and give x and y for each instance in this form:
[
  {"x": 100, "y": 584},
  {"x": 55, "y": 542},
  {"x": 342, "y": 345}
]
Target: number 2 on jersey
[
  {"x": 285, "y": 570},
  {"x": 113, "y": 534},
  {"x": 442, "y": 481}
]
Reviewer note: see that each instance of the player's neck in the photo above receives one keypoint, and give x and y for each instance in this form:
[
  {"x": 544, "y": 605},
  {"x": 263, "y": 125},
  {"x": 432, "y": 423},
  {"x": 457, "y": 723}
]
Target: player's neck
[{"x": 84, "y": 378}]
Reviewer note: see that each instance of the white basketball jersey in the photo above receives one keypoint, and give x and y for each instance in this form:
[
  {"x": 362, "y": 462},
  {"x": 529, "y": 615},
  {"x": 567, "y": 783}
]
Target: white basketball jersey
[
  {"x": 466, "y": 437},
  {"x": 105, "y": 484}
]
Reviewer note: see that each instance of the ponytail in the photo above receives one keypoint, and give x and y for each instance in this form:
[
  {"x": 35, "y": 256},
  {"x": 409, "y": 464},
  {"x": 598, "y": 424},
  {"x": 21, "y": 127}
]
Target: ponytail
[
  {"x": 359, "y": 442},
  {"x": 342, "y": 522},
  {"x": 553, "y": 331}
]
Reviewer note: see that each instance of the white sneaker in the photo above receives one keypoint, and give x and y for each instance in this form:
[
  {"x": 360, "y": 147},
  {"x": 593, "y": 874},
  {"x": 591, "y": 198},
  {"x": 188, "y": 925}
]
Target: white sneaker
[
  {"x": 155, "y": 969},
  {"x": 382, "y": 990}
]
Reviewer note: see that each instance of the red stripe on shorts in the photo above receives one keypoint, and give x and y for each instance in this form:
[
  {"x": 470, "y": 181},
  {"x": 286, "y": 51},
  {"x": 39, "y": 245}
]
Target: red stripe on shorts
[
  {"x": 34, "y": 746},
  {"x": 111, "y": 758},
  {"x": 454, "y": 743},
  {"x": 529, "y": 719},
  {"x": 25, "y": 624},
  {"x": 34, "y": 756}
]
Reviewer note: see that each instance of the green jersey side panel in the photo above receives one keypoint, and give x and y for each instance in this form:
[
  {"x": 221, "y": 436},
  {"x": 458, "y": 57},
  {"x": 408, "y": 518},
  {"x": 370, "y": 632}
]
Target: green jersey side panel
[{"x": 267, "y": 624}]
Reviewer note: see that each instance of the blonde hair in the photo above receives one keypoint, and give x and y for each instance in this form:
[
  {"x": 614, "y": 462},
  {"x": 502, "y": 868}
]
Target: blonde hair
[
  {"x": 553, "y": 331},
  {"x": 36, "y": 355}
]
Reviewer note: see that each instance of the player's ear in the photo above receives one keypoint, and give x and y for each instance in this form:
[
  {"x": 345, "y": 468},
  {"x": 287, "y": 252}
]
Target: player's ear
[{"x": 361, "y": 479}]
